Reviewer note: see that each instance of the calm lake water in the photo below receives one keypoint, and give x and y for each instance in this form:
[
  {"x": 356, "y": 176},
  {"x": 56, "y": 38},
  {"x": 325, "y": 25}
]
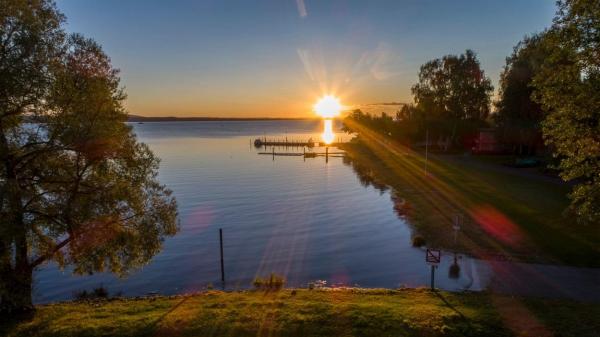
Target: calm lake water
[{"x": 306, "y": 219}]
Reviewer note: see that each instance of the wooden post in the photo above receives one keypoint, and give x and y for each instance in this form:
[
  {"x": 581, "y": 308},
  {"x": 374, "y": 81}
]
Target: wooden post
[
  {"x": 326, "y": 154},
  {"x": 432, "y": 277},
  {"x": 273, "y": 153},
  {"x": 222, "y": 263}
]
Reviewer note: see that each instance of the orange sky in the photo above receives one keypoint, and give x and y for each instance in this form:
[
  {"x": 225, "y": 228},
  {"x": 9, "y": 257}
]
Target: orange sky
[{"x": 275, "y": 58}]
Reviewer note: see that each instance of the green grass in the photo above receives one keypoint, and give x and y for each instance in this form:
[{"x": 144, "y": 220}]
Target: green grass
[
  {"x": 571, "y": 319},
  {"x": 525, "y": 217},
  {"x": 301, "y": 312}
]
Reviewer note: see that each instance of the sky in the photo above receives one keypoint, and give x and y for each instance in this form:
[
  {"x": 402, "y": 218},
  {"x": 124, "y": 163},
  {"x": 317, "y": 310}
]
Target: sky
[{"x": 254, "y": 58}]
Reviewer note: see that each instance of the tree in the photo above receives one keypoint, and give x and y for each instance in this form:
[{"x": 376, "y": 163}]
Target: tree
[
  {"x": 568, "y": 87},
  {"x": 518, "y": 115},
  {"x": 454, "y": 92},
  {"x": 76, "y": 187}
]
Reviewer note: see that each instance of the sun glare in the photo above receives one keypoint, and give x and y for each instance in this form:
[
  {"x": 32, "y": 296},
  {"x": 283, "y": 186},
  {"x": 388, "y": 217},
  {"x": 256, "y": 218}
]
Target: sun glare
[{"x": 328, "y": 107}]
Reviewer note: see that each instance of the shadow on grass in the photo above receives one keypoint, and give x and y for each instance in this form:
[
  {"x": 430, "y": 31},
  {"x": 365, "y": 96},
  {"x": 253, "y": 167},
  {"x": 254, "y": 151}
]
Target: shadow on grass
[
  {"x": 453, "y": 308},
  {"x": 10, "y": 324},
  {"x": 153, "y": 325}
]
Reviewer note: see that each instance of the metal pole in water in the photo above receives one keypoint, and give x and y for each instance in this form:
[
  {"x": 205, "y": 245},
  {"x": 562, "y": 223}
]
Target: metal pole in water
[
  {"x": 273, "y": 153},
  {"x": 432, "y": 277},
  {"x": 222, "y": 263},
  {"x": 326, "y": 154}
]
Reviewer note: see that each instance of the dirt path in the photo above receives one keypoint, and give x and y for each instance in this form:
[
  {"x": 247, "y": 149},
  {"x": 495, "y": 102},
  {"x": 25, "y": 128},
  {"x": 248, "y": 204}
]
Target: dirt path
[{"x": 540, "y": 280}]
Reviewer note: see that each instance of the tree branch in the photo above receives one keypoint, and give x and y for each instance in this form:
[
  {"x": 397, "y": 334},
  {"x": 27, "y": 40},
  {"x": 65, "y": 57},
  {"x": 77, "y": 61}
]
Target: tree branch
[{"x": 49, "y": 254}]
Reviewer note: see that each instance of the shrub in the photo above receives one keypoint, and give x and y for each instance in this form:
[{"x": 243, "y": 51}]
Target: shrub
[
  {"x": 273, "y": 282},
  {"x": 96, "y": 293},
  {"x": 418, "y": 241},
  {"x": 100, "y": 292}
]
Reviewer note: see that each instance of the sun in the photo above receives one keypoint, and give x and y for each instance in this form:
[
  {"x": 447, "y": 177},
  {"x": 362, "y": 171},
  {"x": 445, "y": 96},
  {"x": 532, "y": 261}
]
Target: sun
[{"x": 328, "y": 107}]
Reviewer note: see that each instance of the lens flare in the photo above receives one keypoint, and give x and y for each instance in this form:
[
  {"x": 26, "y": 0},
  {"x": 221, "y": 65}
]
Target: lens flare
[
  {"x": 328, "y": 136},
  {"x": 328, "y": 107}
]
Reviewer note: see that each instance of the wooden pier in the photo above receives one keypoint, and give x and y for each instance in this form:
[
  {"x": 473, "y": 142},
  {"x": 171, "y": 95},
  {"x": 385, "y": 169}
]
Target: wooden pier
[
  {"x": 263, "y": 142},
  {"x": 306, "y": 154},
  {"x": 286, "y": 144}
]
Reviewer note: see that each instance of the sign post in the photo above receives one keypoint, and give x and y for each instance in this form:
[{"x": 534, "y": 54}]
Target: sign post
[
  {"x": 456, "y": 225},
  {"x": 222, "y": 263},
  {"x": 433, "y": 258}
]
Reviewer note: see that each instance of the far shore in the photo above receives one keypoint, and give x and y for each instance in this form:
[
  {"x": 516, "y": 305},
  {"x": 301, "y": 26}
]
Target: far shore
[{"x": 135, "y": 118}]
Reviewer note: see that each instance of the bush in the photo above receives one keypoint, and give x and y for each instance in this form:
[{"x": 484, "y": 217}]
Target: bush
[
  {"x": 273, "y": 282},
  {"x": 418, "y": 241},
  {"x": 96, "y": 293}
]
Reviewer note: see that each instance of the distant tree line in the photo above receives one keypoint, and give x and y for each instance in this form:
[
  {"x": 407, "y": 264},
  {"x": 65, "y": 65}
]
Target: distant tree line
[{"x": 548, "y": 99}]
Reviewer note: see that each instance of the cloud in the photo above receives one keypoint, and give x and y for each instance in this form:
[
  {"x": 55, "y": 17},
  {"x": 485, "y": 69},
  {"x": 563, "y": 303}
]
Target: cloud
[{"x": 301, "y": 8}]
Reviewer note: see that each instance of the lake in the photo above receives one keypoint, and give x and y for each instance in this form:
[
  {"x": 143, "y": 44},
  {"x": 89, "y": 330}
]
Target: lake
[{"x": 306, "y": 219}]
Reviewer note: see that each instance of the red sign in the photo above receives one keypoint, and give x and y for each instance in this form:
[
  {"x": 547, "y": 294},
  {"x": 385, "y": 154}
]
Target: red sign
[{"x": 433, "y": 256}]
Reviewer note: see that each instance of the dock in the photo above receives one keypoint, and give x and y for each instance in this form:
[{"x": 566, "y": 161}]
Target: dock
[
  {"x": 307, "y": 154},
  {"x": 264, "y": 142}
]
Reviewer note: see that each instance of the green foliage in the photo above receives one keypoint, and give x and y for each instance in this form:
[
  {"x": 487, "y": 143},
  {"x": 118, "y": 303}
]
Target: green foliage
[
  {"x": 518, "y": 117},
  {"x": 404, "y": 127},
  {"x": 568, "y": 87},
  {"x": 451, "y": 92},
  {"x": 76, "y": 186},
  {"x": 452, "y": 102}
]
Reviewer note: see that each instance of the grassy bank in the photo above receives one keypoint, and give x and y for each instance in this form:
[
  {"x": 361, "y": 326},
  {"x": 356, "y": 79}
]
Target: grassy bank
[
  {"x": 520, "y": 216},
  {"x": 301, "y": 312}
]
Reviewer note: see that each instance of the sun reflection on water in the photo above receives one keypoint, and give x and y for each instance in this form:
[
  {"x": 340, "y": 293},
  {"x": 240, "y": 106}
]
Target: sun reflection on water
[{"x": 328, "y": 135}]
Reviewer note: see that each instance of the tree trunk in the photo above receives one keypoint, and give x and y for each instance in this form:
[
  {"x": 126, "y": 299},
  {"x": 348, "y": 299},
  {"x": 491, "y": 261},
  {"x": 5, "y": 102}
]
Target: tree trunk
[
  {"x": 16, "y": 277},
  {"x": 15, "y": 298}
]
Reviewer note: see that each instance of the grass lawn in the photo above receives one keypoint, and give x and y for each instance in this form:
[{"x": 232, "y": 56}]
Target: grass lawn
[
  {"x": 302, "y": 312},
  {"x": 504, "y": 213}
]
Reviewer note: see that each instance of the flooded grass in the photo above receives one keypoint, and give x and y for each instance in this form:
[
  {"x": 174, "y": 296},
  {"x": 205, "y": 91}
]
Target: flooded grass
[{"x": 503, "y": 213}]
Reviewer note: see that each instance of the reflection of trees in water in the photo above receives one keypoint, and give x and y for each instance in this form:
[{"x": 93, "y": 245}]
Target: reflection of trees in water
[
  {"x": 369, "y": 177},
  {"x": 454, "y": 270},
  {"x": 402, "y": 207},
  {"x": 366, "y": 175}
]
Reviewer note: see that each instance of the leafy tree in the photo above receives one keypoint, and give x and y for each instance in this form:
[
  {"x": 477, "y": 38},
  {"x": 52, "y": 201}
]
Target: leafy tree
[
  {"x": 518, "y": 116},
  {"x": 569, "y": 88},
  {"x": 76, "y": 187},
  {"x": 453, "y": 92}
]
